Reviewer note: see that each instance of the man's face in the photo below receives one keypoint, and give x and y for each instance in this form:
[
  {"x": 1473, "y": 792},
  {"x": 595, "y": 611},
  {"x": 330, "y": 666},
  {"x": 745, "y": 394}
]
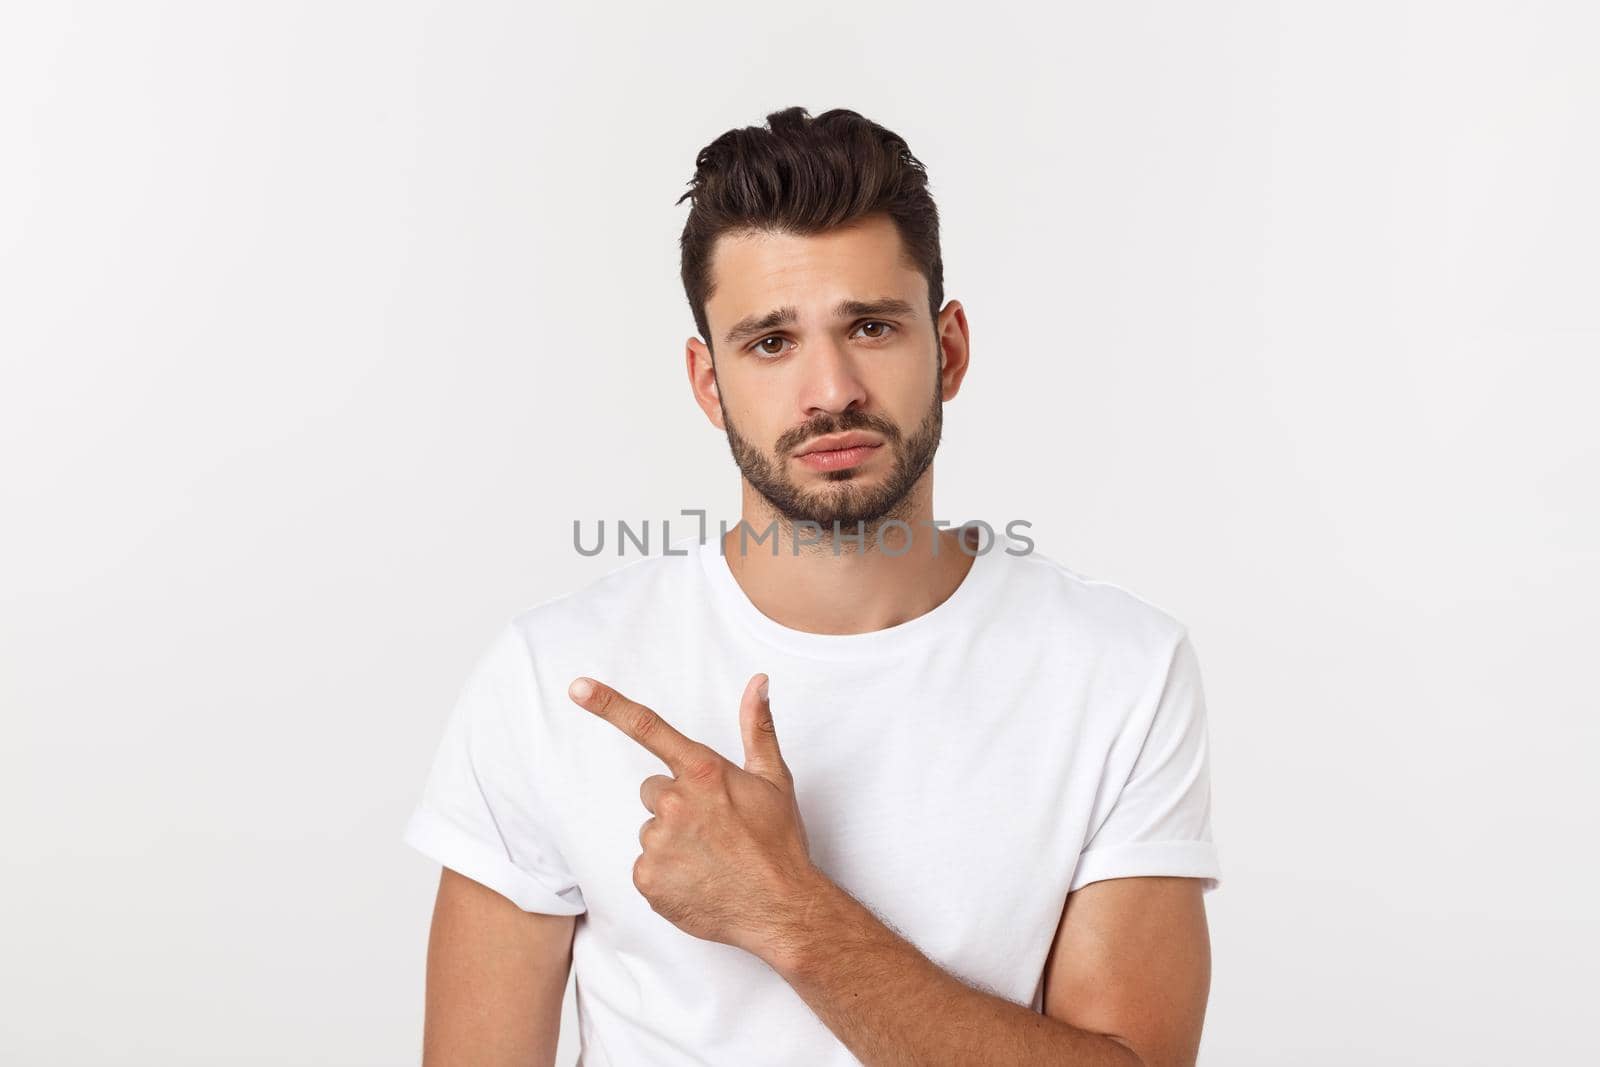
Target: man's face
[{"x": 821, "y": 336}]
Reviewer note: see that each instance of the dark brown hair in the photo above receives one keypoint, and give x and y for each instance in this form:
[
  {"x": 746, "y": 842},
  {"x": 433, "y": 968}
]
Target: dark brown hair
[{"x": 804, "y": 175}]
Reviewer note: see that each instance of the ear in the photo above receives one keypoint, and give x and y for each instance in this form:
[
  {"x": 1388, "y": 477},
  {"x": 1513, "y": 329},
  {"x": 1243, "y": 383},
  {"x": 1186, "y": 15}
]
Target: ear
[
  {"x": 703, "y": 379},
  {"x": 955, "y": 348}
]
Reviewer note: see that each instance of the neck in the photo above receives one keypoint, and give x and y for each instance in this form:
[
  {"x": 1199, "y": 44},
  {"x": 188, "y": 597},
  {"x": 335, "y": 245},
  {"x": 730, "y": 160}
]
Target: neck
[{"x": 865, "y": 587}]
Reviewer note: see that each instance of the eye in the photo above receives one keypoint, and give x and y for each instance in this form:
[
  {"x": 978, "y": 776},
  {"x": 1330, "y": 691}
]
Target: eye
[{"x": 760, "y": 349}]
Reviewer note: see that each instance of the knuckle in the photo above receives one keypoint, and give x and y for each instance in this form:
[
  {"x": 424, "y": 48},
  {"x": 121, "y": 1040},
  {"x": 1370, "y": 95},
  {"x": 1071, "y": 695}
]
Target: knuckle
[
  {"x": 703, "y": 768},
  {"x": 641, "y": 722}
]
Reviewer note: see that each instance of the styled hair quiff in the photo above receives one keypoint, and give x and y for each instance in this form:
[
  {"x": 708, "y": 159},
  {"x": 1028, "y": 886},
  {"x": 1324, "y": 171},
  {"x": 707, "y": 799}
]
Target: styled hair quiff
[{"x": 804, "y": 175}]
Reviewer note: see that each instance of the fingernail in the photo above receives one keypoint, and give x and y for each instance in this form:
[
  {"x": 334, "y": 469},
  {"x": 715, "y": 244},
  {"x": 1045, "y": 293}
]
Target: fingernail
[
  {"x": 763, "y": 689},
  {"x": 581, "y": 689}
]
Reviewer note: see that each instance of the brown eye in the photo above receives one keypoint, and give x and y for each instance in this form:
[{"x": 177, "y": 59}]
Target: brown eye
[
  {"x": 763, "y": 350},
  {"x": 885, "y": 328}
]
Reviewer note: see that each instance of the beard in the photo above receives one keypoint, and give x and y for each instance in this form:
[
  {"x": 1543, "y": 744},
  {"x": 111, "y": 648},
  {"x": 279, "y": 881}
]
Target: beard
[{"x": 849, "y": 496}]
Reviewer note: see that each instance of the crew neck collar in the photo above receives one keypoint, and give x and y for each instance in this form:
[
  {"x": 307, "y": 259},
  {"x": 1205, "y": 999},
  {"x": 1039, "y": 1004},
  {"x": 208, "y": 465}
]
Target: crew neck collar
[{"x": 943, "y": 618}]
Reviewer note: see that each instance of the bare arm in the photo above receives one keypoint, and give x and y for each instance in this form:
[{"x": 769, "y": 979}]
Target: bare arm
[
  {"x": 496, "y": 976},
  {"x": 1132, "y": 959},
  {"x": 892, "y": 1006}
]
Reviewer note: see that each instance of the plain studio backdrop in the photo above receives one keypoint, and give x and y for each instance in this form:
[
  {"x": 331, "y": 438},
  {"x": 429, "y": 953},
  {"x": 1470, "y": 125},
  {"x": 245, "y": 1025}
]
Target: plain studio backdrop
[{"x": 323, "y": 322}]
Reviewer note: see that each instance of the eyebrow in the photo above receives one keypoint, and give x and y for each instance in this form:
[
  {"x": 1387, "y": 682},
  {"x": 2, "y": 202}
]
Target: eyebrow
[{"x": 751, "y": 325}]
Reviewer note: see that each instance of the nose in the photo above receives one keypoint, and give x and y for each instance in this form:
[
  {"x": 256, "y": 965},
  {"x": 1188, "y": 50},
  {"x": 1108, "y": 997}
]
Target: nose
[{"x": 832, "y": 380}]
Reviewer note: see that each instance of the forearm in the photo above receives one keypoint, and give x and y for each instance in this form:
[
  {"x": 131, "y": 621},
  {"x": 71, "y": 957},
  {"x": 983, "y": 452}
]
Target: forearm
[{"x": 892, "y": 1006}]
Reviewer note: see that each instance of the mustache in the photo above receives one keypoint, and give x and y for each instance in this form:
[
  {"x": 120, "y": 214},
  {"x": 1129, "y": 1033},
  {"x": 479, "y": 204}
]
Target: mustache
[{"x": 856, "y": 420}]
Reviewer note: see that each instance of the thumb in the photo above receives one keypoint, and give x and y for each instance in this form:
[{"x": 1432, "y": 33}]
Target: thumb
[{"x": 761, "y": 754}]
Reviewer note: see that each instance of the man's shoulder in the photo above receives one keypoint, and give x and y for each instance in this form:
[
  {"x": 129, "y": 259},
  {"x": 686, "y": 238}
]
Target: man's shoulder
[
  {"x": 1091, "y": 612},
  {"x": 625, "y": 595}
]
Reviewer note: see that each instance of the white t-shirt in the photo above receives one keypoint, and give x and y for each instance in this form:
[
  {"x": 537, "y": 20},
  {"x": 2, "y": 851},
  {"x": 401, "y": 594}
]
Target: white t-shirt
[{"x": 959, "y": 773}]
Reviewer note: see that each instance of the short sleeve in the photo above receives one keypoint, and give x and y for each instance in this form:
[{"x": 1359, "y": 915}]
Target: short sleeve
[
  {"x": 1160, "y": 823},
  {"x": 481, "y": 813}
]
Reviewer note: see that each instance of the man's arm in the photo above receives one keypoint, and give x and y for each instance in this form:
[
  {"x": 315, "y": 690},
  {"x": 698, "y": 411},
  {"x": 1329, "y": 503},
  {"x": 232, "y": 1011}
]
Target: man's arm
[
  {"x": 496, "y": 976},
  {"x": 1132, "y": 960},
  {"x": 1126, "y": 984}
]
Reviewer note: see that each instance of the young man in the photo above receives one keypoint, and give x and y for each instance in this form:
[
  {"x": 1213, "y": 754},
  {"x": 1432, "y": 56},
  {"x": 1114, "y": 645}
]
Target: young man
[{"x": 968, "y": 822}]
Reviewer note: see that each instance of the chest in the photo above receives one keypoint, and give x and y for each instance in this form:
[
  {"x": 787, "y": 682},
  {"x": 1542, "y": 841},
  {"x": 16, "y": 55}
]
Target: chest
[{"x": 950, "y": 800}]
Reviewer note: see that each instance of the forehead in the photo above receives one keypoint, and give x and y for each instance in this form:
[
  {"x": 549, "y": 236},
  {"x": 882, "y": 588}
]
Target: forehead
[{"x": 753, "y": 272}]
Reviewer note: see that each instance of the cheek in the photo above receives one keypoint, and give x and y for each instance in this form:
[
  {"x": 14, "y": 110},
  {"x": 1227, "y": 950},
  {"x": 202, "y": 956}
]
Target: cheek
[
  {"x": 757, "y": 421},
  {"x": 762, "y": 410},
  {"x": 911, "y": 401}
]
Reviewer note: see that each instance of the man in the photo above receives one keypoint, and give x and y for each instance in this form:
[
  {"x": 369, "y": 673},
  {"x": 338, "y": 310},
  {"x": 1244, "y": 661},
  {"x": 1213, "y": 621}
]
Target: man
[{"x": 908, "y": 797}]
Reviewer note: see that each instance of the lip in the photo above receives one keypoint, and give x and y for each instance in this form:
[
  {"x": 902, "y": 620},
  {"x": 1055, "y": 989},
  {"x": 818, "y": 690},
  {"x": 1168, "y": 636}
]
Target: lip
[
  {"x": 838, "y": 459},
  {"x": 838, "y": 442}
]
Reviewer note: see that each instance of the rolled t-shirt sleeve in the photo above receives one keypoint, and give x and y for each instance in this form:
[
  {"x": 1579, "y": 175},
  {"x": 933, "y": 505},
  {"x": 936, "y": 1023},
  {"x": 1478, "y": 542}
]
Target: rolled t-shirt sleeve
[
  {"x": 481, "y": 812},
  {"x": 1160, "y": 821}
]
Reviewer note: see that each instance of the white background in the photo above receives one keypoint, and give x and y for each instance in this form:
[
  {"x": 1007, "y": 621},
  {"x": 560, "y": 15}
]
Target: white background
[{"x": 323, "y": 321}]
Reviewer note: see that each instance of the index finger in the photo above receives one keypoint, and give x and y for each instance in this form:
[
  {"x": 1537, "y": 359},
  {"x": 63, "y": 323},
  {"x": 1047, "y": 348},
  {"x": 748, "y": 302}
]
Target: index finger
[{"x": 638, "y": 722}]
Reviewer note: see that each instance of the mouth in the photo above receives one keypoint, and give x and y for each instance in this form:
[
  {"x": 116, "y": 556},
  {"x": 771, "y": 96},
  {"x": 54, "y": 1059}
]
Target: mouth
[
  {"x": 839, "y": 442},
  {"x": 833, "y": 459}
]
